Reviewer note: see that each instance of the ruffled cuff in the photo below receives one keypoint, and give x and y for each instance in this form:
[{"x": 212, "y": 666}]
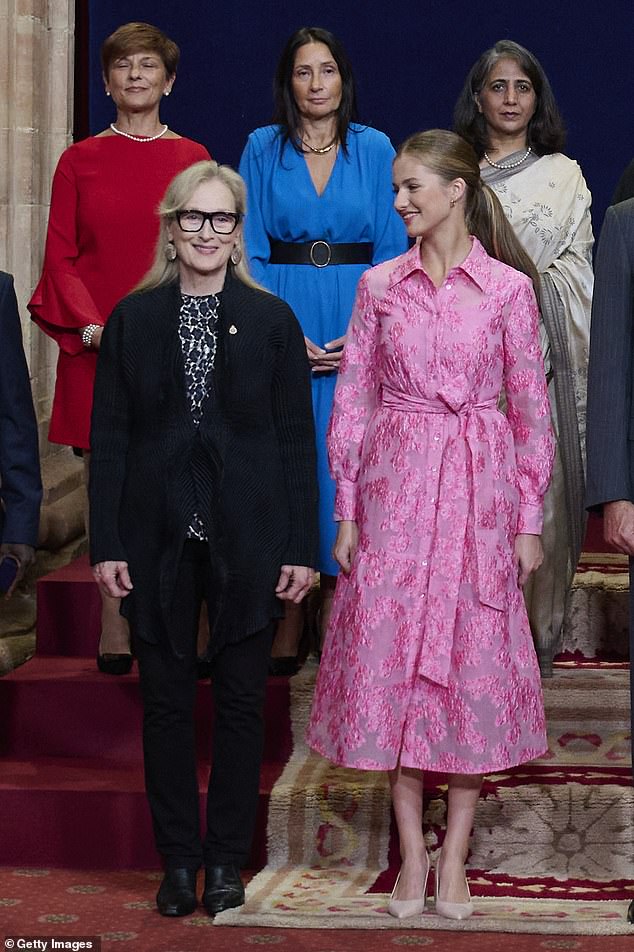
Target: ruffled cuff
[{"x": 61, "y": 305}]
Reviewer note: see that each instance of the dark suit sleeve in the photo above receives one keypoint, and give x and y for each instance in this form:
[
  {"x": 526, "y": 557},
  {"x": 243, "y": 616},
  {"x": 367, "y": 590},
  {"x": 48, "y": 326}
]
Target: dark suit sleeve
[
  {"x": 610, "y": 368},
  {"x": 625, "y": 187},
  {"x": 109, "y": 439},
  {"x": 20, "y": 482},
  {"x": 293, "y": 419}
]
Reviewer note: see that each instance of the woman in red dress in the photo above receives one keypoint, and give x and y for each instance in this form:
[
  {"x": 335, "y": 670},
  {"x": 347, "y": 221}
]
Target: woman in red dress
[{"x": 102, "y": 230}]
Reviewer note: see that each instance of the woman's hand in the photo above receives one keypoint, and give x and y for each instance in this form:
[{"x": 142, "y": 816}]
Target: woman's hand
[
  {"x": 529, "y": 555},
  {"x": 346, "y": 544},
  {"x": 295, "y": 581},
  {"x": 95, "y": 342},
  {"x": 113, "y": 578},
  {"x": 327, "y": 358}
]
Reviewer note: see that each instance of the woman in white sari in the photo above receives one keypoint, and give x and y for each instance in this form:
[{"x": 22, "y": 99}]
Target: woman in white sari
[{"x": 507, "y": 111}]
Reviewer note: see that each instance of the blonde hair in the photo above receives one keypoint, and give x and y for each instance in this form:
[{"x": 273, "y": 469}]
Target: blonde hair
[
  {"x": 176, "y": 198},
  {"x": 449, "y": 156}
]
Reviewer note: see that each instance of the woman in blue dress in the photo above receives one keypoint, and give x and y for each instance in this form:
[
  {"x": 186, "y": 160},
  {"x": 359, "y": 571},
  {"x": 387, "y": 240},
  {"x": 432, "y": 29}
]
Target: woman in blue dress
[{"x": 320, "y": 213}]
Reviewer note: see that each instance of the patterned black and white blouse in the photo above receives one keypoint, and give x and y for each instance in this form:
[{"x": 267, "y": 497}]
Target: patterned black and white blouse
[{"x": 197, "y": 332}]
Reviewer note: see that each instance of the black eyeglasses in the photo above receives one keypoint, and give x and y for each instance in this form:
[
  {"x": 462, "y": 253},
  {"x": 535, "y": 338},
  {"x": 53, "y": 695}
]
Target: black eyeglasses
[{"x": 223, "y": 223}]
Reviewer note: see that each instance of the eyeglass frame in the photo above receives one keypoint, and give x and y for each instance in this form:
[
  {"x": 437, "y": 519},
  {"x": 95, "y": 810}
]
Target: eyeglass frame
[{"x": 207, "y": 216}]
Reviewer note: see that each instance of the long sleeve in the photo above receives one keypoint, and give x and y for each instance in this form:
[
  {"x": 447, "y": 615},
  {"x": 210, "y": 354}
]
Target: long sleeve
[
  {"x": 390, "y": 237},
  {"x": 256, "y": 237},
  {"x": 293, "y": 420},
  {"x": 61, "y": 303},
  {"x": 20, "y": 483},
  {"x": 109, "y": 440},
  {"x": 610, "y": 368},
  {"x": 528, "y": 409},
  {"x": 356, "y": 396}
]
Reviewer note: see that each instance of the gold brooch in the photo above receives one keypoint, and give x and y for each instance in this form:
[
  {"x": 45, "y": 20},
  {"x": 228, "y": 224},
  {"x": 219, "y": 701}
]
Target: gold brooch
[{"x": 233, "y": 329}]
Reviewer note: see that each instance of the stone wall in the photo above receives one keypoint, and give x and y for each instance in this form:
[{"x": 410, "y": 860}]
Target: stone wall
[{"x": 36, "y": 111}]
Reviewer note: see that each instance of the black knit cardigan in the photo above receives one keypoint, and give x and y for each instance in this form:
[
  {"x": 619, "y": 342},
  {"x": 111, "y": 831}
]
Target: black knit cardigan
[{"x": 249, "y": 469}]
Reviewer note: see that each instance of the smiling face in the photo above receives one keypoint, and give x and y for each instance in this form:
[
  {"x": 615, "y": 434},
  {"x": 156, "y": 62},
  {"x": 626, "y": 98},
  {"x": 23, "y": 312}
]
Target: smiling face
[
  {"x": 507, "y": 99},
  {"x": 316, "y": 82},
  {"x": 422, "y": 198},
  {"x": 137, "y": 81},
  {"x": 203, "y": 255}
]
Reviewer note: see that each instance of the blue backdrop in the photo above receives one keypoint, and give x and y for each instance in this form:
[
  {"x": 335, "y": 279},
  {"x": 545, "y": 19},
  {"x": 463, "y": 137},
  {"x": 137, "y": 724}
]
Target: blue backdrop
[{"x": 410, "y": 61}]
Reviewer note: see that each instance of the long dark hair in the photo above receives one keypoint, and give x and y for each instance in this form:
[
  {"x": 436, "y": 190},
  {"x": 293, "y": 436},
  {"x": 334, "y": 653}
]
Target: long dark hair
[
  {"x": 286, "y": 113},
  {"x": 451, "y": 157},
  {"x": 546, "y": 132}
]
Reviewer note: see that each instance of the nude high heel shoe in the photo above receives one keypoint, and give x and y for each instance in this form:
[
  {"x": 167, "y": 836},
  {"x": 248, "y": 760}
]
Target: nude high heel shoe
[
  {"x": 451, "y": 910},
  {"x": 405, "y": 908}
]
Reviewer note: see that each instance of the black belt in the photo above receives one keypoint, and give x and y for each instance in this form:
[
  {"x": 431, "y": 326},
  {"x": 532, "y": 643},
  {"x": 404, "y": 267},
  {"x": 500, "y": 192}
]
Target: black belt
[{"x": 321, "y": 253}]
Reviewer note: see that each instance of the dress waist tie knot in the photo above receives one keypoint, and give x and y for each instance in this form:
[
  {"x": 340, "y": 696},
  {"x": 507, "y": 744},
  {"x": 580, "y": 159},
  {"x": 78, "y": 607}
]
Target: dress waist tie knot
[{"x": 462, "y": 453}]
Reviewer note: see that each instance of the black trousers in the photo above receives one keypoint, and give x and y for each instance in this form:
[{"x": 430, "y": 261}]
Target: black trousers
[{"x": 168, "y": 686}]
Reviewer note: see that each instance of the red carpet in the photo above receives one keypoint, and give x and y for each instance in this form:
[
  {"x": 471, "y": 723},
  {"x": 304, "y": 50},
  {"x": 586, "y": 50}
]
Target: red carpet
[
  {"x": 72, "y": 800},
  {"x": 71, "y": 769},
  {"x": 119, "y": 907}
]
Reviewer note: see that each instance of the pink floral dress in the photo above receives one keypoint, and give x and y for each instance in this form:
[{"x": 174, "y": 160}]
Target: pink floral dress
[{"x": 429, "y": 655}]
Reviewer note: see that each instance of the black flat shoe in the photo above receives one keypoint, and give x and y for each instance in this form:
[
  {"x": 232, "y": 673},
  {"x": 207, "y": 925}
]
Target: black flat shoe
[
  {"x": 114, "y": 663},
  {"x": 283, "y": 667},
  {"x": 177, "y": 892},
  {"x": 223, "y": 889}
]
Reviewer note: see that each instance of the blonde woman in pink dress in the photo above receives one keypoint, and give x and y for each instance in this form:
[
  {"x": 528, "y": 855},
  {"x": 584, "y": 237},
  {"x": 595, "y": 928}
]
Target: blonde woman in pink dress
[{"x": 429, "y": 661}]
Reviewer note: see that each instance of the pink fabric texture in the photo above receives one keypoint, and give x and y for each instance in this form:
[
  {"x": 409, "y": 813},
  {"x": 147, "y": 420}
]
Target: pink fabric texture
[{"x": 429, "y": 654}]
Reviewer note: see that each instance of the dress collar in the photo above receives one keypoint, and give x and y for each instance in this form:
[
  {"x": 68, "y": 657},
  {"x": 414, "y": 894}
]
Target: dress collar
[{"x": 476, "y": 266}]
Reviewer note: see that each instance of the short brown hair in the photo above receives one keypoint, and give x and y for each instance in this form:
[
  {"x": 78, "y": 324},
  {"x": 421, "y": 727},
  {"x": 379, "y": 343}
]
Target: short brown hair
[{"x": 132, "y": 37}]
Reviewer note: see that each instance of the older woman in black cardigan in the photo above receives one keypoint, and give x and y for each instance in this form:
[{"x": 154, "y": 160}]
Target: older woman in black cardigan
[{"x": 202, "y": 487}]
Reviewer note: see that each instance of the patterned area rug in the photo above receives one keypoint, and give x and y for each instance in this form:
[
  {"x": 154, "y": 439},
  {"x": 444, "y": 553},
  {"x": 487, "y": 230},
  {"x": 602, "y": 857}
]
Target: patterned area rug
[
  {"x": 552, "y": 846},
  {"x": 597, "y": 616}
]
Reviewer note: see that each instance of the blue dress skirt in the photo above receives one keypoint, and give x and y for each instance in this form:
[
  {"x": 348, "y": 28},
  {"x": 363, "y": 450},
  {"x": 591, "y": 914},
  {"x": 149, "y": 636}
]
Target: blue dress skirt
[{"x": 355, "y": 206}]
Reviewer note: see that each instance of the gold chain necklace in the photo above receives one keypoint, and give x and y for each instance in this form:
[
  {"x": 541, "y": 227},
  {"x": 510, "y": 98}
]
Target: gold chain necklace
[{"x": 323, "y": 150}]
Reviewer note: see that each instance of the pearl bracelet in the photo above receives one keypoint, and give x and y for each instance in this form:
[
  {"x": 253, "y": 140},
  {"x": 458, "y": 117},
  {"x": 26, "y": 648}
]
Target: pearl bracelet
[{"x": 87, "y": 334}]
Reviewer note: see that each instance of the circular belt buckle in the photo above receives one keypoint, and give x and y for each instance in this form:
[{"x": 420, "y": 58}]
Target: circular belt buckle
[{"x": 320, "y": 253}]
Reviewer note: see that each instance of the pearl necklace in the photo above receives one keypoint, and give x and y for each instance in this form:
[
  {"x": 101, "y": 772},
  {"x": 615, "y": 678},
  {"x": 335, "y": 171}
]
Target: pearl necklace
[
  {"x": 510, "y": 165},
  {"x": 321, "y": 151},
  {"x": 127, "y": 135}
]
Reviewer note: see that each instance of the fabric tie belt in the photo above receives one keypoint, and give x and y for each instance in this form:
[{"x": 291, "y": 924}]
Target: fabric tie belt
[
  {"x": 461, "y": 455},
  {"x": 320, "y": 253}
]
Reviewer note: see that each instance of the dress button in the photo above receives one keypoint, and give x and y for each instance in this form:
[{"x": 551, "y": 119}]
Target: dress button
[
  {"x": 436, "y": 438},
  {"x": 434, "y": 469}
]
